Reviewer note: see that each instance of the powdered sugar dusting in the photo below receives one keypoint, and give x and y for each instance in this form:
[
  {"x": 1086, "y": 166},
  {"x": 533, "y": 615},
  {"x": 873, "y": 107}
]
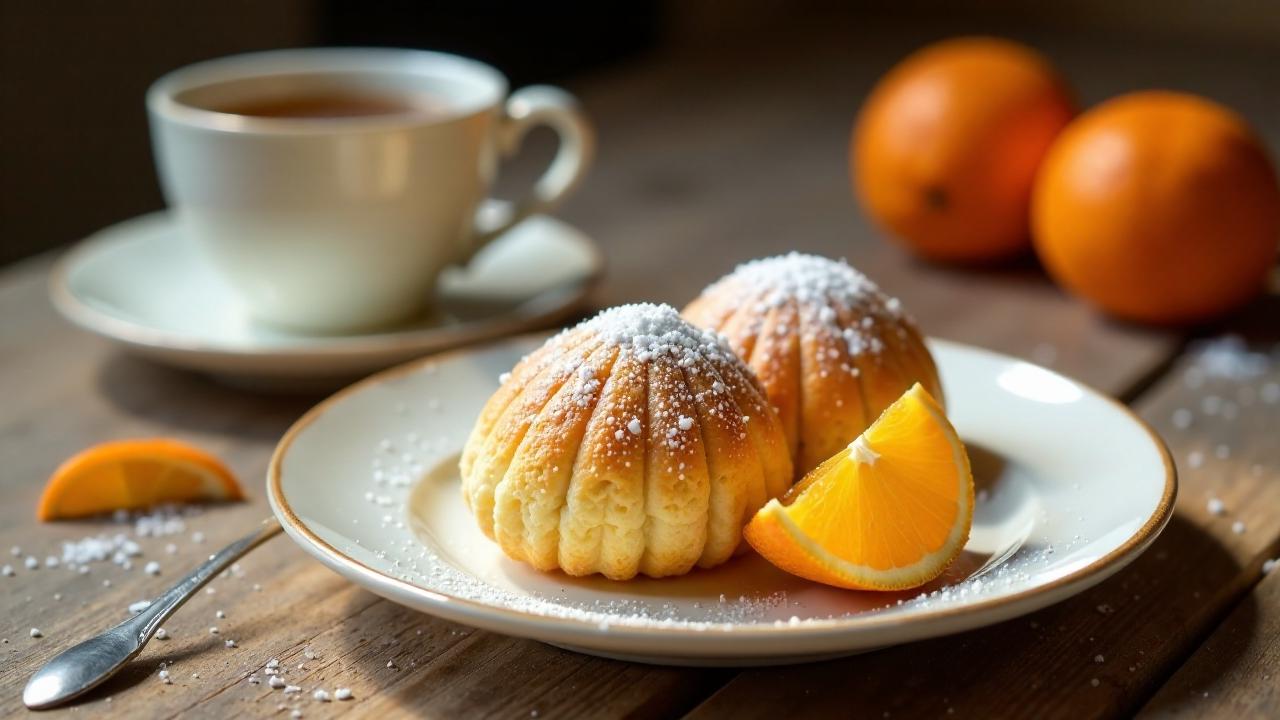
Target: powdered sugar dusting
[
  {"x": 828, "y": 295},
  {"x": 652, "y": 331},
  {"x": 810, "y": 279}
]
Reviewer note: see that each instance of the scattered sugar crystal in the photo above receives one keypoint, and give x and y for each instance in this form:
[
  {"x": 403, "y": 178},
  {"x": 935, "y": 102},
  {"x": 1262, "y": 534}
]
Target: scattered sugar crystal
[
  {"x": 276, "y": 681},
  {"x": 1237, "y": 527},
  {"x": 1099, "y": 659},
  {"x": 253, "y": 680},
  {"x": 161, "y": 634},
  {"x": 343, "y": 694},
  {"x": 35, "y": 633},
  {"x": 1182, "y": 418},
  {"x": 273, "y": 663},
  {"x": 1195, "y": 458},
  {"x": 219, "y": 614},
  {"x": 1270, "y": 393},
  {"x": 1216, "y": 506},
  {"x": 165, "y": 520},
  {"x": 7, "y": 571},
  {"x": 1095, "y": 682},
  {"x": 230, "y": 643},
  {"x": 162, "y": 674},
  {"x": 152, "y": 568},
  {"x": 213, "y": 630},
  {"x": 1269, "y": 565},
  {"x": 15, "y": 551},
  {"x": 139, "y": 606},
  {"x": 634, "y": 426},
  {"x": 1229, "y": 358},
  {"x": 391, "y": 664},
  {"x": 321, "y": 695},
  {"x": 31, "y": 563},
  {"x": 294, "y": 713},
  {"x": 52, "y": 561},
  {"x": 685, "y": 422},
  {"x": 1210, "y": 404},
  {"x": 197, "y": 537},
  {"x": 291, "y": 689}
]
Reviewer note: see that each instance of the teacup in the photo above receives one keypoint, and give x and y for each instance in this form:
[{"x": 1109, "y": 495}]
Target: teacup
[{"x": 331, "y": 186}]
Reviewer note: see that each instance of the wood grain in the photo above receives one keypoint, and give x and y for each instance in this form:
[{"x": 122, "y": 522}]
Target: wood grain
[
  {"x": 707, "y": 158},
  {"x": 1237, "y": 671},
  {"x": 1142, "y": 623}
]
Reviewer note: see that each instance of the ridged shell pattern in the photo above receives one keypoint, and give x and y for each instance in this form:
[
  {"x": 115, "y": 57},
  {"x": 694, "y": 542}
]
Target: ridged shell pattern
[
  {"x": 831, "y": 350},
  {"x": 631, "y": 444}
]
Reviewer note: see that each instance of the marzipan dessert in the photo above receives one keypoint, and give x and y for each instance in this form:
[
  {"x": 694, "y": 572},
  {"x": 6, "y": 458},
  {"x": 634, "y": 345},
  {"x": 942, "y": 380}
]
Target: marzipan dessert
[
  {"x": 631, "y": 444},
  {"x": 831, "y": 350}
]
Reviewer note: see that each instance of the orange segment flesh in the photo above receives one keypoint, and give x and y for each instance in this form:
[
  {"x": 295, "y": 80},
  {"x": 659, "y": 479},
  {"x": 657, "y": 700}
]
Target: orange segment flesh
[
  {"x": 888, "y": 512},
  {"x": 129, "y": 474}
]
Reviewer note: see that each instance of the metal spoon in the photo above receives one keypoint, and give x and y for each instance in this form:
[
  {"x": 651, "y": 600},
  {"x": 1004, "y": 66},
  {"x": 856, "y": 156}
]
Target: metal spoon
[{"x": 79, "y": 669}]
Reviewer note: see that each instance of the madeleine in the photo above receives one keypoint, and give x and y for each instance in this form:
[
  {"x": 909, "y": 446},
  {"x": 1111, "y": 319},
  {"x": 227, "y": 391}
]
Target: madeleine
[{"x": 631, "y": 444}]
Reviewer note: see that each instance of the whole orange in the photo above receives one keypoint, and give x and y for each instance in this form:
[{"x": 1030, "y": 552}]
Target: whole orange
[
  {"x": 946, "y": 147},
  {"x": 1158, "y": 207}
]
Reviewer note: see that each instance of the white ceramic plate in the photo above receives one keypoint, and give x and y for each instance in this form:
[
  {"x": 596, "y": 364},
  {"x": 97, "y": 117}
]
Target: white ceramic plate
[
  {"x": 142, "y": 284},
  {"x": 1072, "y": 487}
]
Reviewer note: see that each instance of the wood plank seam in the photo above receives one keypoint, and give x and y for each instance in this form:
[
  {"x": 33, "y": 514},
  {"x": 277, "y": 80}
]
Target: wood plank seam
[{"x": 1225, "y": 613}]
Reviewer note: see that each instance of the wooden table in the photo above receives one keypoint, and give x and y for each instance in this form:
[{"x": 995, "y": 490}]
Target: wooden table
[{"x": 707, "y": 158}]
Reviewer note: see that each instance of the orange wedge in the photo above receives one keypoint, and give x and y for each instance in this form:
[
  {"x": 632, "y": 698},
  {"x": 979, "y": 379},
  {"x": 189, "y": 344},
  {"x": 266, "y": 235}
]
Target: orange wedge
[
  {"x": 888, "y": 512},
  {"x": 129, "y": 474}
]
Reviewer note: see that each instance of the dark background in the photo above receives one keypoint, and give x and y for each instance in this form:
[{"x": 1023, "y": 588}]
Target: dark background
[{"x": 73, "y": 137}]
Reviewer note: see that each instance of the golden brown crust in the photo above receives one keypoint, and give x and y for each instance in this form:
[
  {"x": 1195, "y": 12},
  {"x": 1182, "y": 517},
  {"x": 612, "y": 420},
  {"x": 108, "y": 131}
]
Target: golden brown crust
[
  {"x": 600, "y": 456},
  {"x": 830, "y": 350}
]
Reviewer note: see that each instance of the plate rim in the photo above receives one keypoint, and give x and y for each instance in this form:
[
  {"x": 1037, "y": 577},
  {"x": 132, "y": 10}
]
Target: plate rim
[
  {"x": 150, "y": 339},
  {"x": 454, "y": 607}
]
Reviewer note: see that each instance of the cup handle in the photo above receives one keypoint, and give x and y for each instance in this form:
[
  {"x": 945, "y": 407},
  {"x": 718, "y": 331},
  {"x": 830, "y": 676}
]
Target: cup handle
[{"x": 525, "y": 109}]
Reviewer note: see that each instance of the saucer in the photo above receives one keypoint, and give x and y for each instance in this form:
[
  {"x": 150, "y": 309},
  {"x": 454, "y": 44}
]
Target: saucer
[
  {"x": 1072, "y": 486},
  {"x": 143, "y": 285}
]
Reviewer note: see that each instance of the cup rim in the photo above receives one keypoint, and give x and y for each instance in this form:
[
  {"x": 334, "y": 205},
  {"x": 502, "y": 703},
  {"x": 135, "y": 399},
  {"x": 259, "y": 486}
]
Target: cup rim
[{"x": 161, "y": 97}]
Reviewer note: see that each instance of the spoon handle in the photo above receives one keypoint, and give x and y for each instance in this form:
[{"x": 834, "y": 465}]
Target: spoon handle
[
  {"x": 84, "y": 666},
  {"x": 162, "y": 607}
]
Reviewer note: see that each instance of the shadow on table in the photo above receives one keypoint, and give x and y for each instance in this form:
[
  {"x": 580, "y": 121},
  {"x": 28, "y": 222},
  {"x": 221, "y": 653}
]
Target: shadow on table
[
  {"x": 193, "y": 402},
  {"x": 1186, "y": 575},
  {"x": 1145, "y": 609}
]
